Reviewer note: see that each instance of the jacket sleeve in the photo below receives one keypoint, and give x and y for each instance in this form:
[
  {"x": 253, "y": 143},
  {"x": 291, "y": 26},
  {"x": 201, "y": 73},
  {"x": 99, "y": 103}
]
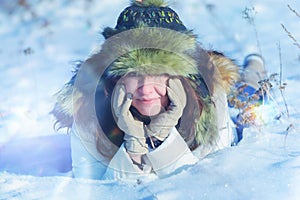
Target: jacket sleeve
[
  {"x": 227, "y": 135},
  {"x": 171, "y": 155},
  {"x": 165, "y": 160},
  {"x": 122, "y": 167},
  {"x": 84, "y": 164},
  {"x": 227, "y": 129}
]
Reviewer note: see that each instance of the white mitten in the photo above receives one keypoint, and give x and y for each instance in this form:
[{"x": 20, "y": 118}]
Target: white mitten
[
  {"x": 134, "y": 138},
  {"x": 161, "y": 125}
]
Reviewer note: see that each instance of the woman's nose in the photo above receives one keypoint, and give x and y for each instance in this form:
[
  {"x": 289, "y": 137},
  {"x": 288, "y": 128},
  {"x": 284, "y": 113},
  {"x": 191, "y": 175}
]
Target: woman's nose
[
  {"x": 146, "y": 89},
  {"x": 146, "y": 86}
]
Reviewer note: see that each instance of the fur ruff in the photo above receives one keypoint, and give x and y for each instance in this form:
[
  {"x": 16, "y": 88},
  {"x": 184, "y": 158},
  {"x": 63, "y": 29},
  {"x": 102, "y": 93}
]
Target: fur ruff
[
  {"x": 227, "y": 69},
  {"x": 155, "y": 55}
]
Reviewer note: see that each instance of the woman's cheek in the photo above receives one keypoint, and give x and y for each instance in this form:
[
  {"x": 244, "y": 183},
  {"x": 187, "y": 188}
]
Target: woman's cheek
[
  {"x": 161, "y": 90},
  {"x": 161, "y": 85},
  {"x": 131, "y": 86}
]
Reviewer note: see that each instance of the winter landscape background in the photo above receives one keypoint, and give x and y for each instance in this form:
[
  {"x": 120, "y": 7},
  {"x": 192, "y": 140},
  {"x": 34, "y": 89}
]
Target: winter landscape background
[{"x": 41, "y": 38}]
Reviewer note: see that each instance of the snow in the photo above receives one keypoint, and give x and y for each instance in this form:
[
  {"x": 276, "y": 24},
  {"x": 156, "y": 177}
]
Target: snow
[{"x": 39, "y": 42}]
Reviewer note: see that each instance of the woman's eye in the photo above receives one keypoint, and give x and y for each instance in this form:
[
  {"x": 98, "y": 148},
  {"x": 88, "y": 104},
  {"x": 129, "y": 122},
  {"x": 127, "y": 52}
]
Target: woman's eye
[{"x": 132, "y": 74}]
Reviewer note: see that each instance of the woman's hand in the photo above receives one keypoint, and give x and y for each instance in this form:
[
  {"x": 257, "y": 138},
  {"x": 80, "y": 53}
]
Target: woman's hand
[
  {"x": 161, "y": 125},
  {"x": 134, "y": 138}
]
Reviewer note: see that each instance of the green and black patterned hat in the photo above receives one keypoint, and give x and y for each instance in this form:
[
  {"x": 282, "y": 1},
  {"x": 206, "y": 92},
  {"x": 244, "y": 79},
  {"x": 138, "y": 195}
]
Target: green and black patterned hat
[{"x": 147, "y": 13}]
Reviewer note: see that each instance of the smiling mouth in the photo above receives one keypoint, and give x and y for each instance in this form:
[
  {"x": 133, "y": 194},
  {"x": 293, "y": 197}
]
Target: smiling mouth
[{"x": 148, "y": 101}]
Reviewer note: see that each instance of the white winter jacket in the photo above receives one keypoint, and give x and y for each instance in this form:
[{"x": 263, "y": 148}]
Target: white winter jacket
[{"x": 171, "y": 156}]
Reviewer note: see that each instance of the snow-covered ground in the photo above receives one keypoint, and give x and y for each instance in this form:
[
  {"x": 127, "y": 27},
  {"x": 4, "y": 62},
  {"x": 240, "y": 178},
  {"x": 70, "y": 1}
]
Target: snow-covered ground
[{"x": 40, "y": 40}]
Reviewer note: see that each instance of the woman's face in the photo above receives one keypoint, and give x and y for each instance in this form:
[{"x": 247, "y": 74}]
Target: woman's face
[{"x": 149, "y": 93}]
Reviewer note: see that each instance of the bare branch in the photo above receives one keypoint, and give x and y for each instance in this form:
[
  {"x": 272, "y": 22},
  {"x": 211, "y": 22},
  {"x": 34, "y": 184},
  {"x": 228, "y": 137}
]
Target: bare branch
[
  {"x": 291, "y": 36},
  {"x": 282, "y": 86},
  {"x": 249, "y": 15},
  {"x": 293, "y": 10}
]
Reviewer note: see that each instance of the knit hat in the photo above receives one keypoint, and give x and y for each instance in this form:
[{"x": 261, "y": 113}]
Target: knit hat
[
  {"x": 147, "y": 13},
  {"x": 151, "y": 39}
]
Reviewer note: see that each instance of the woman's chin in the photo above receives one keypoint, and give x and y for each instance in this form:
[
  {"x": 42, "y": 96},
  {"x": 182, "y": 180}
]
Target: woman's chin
[{"x": 150, "y": 110}]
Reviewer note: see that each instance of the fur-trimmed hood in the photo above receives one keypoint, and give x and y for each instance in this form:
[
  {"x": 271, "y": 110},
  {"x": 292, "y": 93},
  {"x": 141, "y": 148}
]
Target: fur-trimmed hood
[
  {"x": 153, "y": 51},
  {"x": 85, "y": 100}
]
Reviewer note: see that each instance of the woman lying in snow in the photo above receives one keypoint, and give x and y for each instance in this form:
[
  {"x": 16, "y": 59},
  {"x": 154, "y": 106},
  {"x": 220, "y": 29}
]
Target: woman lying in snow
[{"x": 150, "y": 102}]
